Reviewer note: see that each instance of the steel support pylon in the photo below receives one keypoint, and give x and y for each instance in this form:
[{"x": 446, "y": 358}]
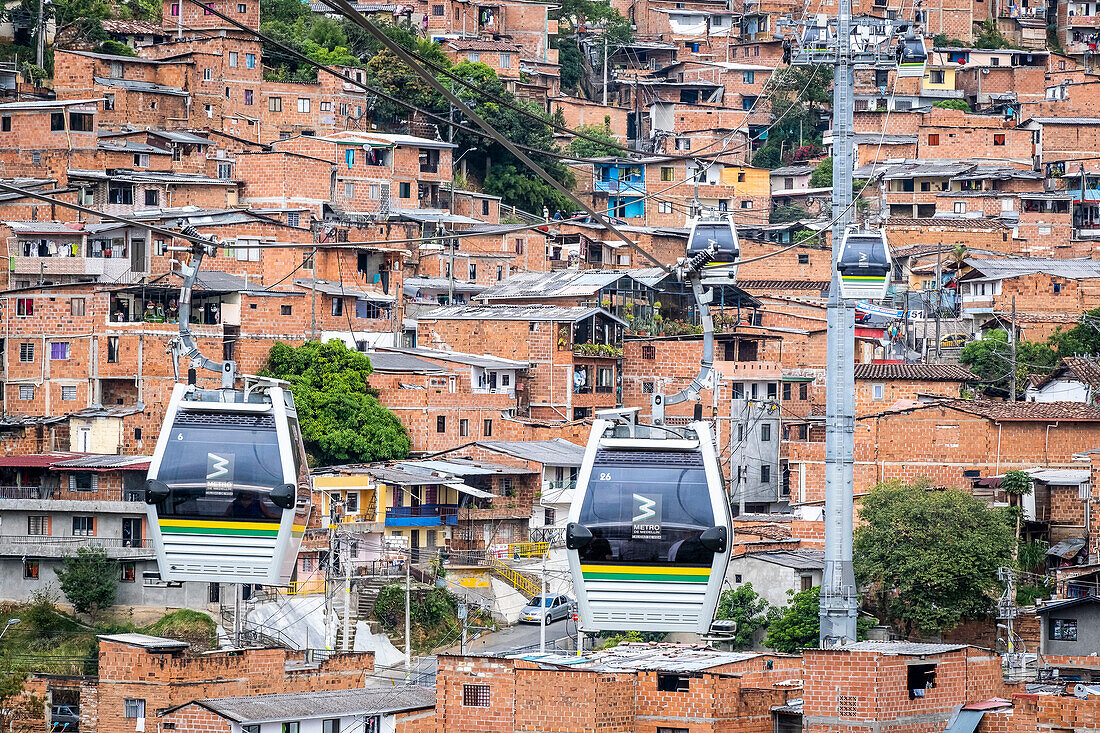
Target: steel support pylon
[{"x": 839, "y": 603}]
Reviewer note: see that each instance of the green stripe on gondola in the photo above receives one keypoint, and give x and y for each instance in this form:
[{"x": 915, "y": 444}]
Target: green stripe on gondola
[
  {"x": 862, "y": 278},
  {"x": 224, "y": 531}
]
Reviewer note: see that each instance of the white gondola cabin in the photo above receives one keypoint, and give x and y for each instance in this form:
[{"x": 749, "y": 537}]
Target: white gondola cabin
[
  {"x": 912, "y": 56},
  {"x": 228, "y": 490},
  {"x": 648, "y": 533},
  {"x": 719, "y": 235},
  {"x": 864, "y": 264}
]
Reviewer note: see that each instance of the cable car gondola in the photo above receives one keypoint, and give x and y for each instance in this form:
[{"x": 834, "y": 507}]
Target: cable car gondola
[
  {"x": 228, "y": 489},
  {"x": 864, "y": 264},
  {"x": 817, "y": 36},
  {"x": 648, "y": 533},
  {"x": 912, "y": 57},
  {"x": 708, "y": 232}
]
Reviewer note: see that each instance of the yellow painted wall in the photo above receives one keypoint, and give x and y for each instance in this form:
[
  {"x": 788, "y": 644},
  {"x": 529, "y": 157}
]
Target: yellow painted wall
[
  {"x": 747, "y": 181},
  {"x": 948, "y": 78}
]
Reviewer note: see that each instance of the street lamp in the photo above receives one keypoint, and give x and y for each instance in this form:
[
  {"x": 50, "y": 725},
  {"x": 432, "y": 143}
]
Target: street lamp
[{"x": 11, "y": 622}]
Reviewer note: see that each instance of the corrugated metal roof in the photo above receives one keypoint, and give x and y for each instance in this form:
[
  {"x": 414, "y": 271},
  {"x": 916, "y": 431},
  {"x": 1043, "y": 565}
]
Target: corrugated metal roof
[
  {"x": 329, "y": 287},
  {"x": 556, "y": 452},
  {"x": 797, "y": 559},
  {"x": 485, "y": 361},
  {"x": 1066, "y": 120},
  {"x": 412, "y": 284},
  {"x": 44, "y": 227},
  {"x": 322, "y": 703},
  {"x": 134, "y": 85},
  {"x": 965, "y": 721},
  {"x": 145, "y": 641},
  {"x": 637, "y": 657},
  {"x": 998, "y": 269},
  {"x": 104, "y": 462},
  {"x": 464, "y": 467},
  {"x": 384, "y": 361},
  {"x": 900, "y": 648},
  {"x": 566, "y": 283},
  {"x": 1060, "y": 476},
  {"x": 36, "y": 460},
  {"x": 561, "y": 313},
  {"x": 479, "y": 44}
]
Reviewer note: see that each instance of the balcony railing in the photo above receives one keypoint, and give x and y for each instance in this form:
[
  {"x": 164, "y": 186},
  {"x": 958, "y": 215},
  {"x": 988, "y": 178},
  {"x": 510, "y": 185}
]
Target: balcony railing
[
  {"x": 21, "y": 492},
  {"x": 423, "y": 515},
  {"x": 128, "y": 542}
]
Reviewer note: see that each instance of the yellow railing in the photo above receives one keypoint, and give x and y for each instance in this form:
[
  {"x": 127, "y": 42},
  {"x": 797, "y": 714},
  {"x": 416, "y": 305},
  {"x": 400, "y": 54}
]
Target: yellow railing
[
  {"x": 306, "y": 587},
  {"x": 517, "y": 580},
  {"x": 528, "y": 549}
]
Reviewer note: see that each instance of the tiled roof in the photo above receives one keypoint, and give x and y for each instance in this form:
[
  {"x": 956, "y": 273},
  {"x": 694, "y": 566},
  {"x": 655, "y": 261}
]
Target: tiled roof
[
  {"x": 336, "y": 703},
  {"x": 949, "y": 223},
  {"x": 1026, "y": 411},
  {"x": 570, "y": 314},
  {"x": 132, "y": 27},
  {"x": 1081, "y": 368},
  {"x": 479, "y": 44},
  {"x": 916, "y": 372}
]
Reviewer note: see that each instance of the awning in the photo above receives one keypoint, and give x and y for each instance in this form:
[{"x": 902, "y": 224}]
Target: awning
[
  {"x": 965, "y": 722},
  {"x": 1067, "y": 549},
  {"x": 477, "y": 493}
]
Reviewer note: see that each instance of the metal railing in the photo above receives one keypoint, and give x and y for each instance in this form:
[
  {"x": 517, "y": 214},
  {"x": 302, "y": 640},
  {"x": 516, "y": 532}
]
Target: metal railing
[
  {"x": 424, "y": 510},
  {"x": 20, "y": 492},
  {"x": 512, "y": 577},
  {"x": 527, "y": 549},
  {"x": 313, "y": 586},
  {"x": 135, "y": 542}
]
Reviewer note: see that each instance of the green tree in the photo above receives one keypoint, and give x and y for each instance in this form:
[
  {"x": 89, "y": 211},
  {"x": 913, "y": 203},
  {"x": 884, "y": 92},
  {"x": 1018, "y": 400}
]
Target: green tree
[
  {"x": 796, "y": 625},
  {"x": 990, "y": 37},
  {"x": 1084, "y": 338},
  {"x": 930, "y": 555},
  {"x": 569, "y": 56},
  {"x": 796, "y": 98},
  {"x": 89, "y": 580},
  {"x": 990, "y": 359},
  {"x": 822, "y": 177},
  {"x": 1017, "y": 485},
  {"x": 745, "y": 606},
  {"x": 953, "y": 104},
  {"x": 587, "y": 149},
  {"x": 340, "y": 416}
]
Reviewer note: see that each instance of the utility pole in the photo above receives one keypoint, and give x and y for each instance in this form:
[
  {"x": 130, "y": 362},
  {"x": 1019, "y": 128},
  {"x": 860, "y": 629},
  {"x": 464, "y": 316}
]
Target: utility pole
[
  {"x": 40, "y": 56},
  {"x": 605, "y": 68},
  {"x": 313, "y": 286},
  {"x": 408, "y": 624},
  {"x": 347, "y": 596},
  {"x": 1012, "y": 342}
]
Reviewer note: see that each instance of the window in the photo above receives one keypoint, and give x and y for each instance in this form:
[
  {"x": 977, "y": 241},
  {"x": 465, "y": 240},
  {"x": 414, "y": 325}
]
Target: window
[
  {"x": 475, "y": 696},
  {"x": 920, "y": 677},
  {"x": 474, "y": 56},
  {"x": 803, "y": 391},
  {"x": 68, "y": 393},
  {"x": 506, "y": 61},
  {"x": 683, "y": 143},
  {"x": 303, "y": 104},
  {"x": 582, "y": 413},
  {"x": 83, "y": 526},
  {"x": 1057, "y": 288},
  {"x": 773, "y": 390},
  {"x": 766, "y": 432},
  {"x": 134, "y": 708},
  {"x": 486, "y": 427},
  {"x": 748, "y": 77},
  {"x": 649, "y": 351},
  {"x": 803, "y": 258},
  {"x": 80, "y": 122},
  {"x": 1063, "y": 629},
  {"x": 668, "y": 174},
  {"x": 437, "y": 11},
  {"x": 440, "y": 423},
  {"x": 292, "y": 219},
  {"x": 250, "y": 61},
  {"x": 83, "y": 481},
  {"x": 232, "y": 59},
  {"x": 207, "y": 74},
  {"x": 673, "y": 683},
  {"x": 473, "y": 271},
  {"x": 112, "y": 349},
  {"x": 878, "y": 391},
  {"x": 175, "y": 9},
  {"x": 242, "y": 8},
  {"x": 485, "y": 207},
  {"x": 647, "y": 387},
  {"x": 936, "y": 76},
  {"x": 404, "y": 190},
  {"x": 120, "y": 193},
  {"x": 38, "y": 526},
  {"x": 286, "y": 310},
  {"x": 960, "y": 207},
  {"x": 500, "y": 273},
  {"x": 152, "y": 197},
  {"x": 332, "y": 725},
  {"x": 999, "y": 138},
  {"x": 36, "y": 157},
  {"x": 129, "y": 572},
  {"x": 275, "y": 104},
  {"x": 664, "y": 207},
  {"x": 76, "y": 306},
  {"x": 463, "y": 428},
  {"x": 57, "y": 122},
  {"x": 765, "y": 474},
  {"x": 59, "y": 350},
  {"x": 248, "y": 96},
  {"x": 933, "y": 138},
  {"x": 337, "y": 307},
  {"x": 746, "y": 204},
  {"x": 249, "y": 728},
  {"x": 30, "y": 569},
  {"x": 26, "y": 391},
  {"x": 326, "y": 106}
]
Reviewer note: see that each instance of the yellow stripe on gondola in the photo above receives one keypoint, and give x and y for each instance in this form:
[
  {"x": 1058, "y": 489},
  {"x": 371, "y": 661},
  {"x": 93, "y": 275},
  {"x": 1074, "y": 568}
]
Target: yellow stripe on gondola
[{"x": 645, "y": 569}]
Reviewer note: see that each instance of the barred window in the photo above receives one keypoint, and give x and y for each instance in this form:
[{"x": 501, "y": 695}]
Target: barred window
[
  {"x": 475, "y": 696},
  {"x": 647, "y": 387},
  {"x": 649, "y": 351}
]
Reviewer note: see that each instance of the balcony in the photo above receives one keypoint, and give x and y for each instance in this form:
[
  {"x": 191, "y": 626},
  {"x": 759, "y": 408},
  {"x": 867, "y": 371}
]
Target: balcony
[
  {"x": 21, "y": 492},
  {"x": 115, "y": 269},
  {"x": 117, "y": 548},
  {"x": 615, "y": 185},
  {"x": 1083, "y": 21},
  {"x": 425, "y": 515}
]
